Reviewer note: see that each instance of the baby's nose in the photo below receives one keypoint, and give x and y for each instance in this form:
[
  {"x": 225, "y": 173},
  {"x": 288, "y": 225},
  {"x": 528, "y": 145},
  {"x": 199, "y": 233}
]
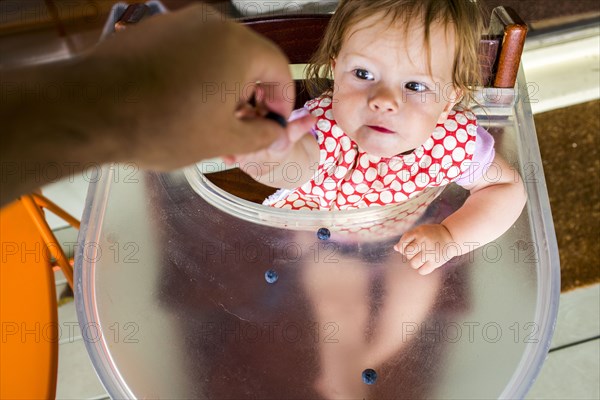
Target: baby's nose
[{"x": 384, "y": 101}]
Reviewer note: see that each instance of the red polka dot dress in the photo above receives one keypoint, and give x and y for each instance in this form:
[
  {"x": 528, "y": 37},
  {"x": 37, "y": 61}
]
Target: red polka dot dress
[{"x": 348, "y": 178}]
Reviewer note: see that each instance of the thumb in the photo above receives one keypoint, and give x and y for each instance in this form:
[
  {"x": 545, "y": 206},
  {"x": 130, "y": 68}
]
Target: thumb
[
  {"x": 300, "y": 126},
  {"x": 255, "y": 134}
]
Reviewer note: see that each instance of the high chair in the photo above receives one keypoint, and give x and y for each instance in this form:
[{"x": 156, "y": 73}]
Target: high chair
[
  {"x": 195, "y": 293},
  {"x": 30, "y": 328}
]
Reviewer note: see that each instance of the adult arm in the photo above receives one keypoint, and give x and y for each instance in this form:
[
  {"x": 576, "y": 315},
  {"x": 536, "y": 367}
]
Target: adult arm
[{"x": 162, "y": 94}]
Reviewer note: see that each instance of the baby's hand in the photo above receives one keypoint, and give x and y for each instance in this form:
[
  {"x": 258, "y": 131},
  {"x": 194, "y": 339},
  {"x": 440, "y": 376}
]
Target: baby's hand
[
  {"x": 427, "y": 247},
  {"x": 280, "y": 149},
  {"x": 266, "y": 164}
]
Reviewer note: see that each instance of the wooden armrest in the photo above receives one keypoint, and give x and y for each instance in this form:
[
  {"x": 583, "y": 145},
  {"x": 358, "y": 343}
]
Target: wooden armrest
[
  {"x": 507, "y": 26},
  {"x": 488, "y": 54}
]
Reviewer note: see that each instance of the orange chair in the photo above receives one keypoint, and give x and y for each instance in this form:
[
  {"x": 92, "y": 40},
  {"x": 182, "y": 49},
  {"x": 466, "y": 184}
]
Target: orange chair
[
  {"x": 28, "y": 308},
  {"x": 34, "y": 203}
]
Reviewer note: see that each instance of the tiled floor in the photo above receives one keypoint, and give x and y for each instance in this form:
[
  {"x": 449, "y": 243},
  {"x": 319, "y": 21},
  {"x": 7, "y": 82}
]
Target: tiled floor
[{"x": 572, "y": 369}]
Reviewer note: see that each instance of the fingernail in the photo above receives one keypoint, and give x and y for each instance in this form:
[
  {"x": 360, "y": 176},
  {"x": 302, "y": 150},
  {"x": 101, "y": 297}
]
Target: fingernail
[{"x": 297, "y": 114}]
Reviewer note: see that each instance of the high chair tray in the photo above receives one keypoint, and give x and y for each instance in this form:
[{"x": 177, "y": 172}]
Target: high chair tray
[{"x": 177, "y": 298}]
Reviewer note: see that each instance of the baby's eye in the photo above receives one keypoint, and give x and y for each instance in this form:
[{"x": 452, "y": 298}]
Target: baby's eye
[
  {"x": 416, "y": 86},
  {"x": 363, "y": 74}
]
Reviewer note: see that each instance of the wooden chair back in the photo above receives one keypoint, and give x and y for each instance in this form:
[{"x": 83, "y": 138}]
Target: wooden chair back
[{"x": 500, "y": 49}]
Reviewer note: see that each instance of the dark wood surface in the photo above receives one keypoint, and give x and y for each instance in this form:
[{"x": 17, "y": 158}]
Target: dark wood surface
[
  {"x": 240, "y": 184},
  {"x": 297, "y": 35}
]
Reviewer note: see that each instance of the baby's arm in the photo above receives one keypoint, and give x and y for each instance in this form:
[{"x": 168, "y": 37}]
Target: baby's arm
[
  {"x": 489, "y": 211},
  {"x": 289, "y": 161}
]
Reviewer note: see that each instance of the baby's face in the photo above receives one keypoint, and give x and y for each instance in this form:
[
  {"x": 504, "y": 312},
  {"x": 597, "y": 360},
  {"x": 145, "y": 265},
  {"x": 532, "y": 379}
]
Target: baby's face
[{"x": 384, "y": 96}]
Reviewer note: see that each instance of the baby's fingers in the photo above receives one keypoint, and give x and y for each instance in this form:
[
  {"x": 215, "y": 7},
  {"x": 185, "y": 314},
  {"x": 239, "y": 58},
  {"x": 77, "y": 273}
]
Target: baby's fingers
[
  {"x": 407, "y": 244},
  {"x": 428, "y": 268},
  {"x": 411, "y": 253},
  {"x": 300, "y": 125},
  {"x": 416, "y": 260},
  {"x": 422, "y": 261}
]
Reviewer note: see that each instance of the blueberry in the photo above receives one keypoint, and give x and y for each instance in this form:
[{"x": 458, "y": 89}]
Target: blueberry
[
  {"x": 369, "y": 376},
  {"x": 271, "y": 276},
  {"x": 323, "y": 234}
]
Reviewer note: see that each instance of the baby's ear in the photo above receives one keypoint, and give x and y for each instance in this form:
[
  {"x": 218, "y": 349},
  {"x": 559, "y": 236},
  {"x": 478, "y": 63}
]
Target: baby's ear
[
  {"x": 455, "y": 97},
  {"x": 445, "y": 112},
  {"x": 333, "y": 62}
]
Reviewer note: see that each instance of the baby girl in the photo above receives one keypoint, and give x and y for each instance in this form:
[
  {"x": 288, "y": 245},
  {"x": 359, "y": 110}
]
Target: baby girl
[{"x": 394, "y": 121}]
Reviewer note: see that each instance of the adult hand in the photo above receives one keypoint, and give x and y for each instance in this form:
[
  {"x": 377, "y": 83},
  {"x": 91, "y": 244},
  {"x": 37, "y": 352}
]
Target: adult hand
[
  {"x": 162, "y": 94},
  {"x": 191, "y": 70},
  {"x": 297, "y": 148}
]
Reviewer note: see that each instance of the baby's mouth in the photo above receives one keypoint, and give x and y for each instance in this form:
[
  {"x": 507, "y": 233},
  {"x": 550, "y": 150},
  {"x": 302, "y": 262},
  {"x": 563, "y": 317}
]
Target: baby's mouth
[{"x": 380, "y": 129}]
